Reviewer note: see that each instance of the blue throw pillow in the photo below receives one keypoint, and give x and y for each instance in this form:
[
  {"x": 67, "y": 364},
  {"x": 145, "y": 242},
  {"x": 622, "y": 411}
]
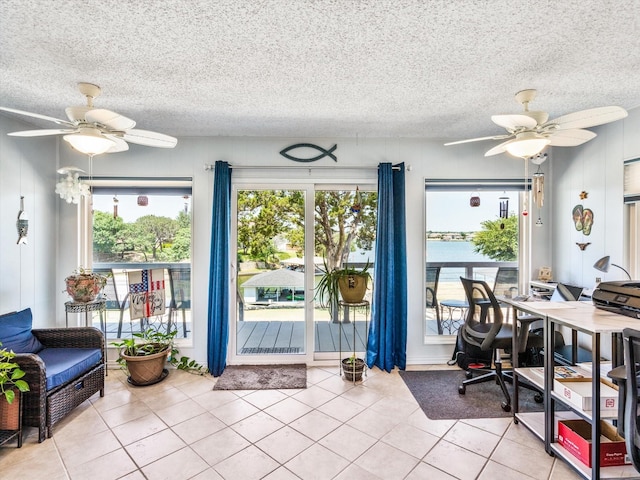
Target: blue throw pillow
[{"x": 15, "y": 332}]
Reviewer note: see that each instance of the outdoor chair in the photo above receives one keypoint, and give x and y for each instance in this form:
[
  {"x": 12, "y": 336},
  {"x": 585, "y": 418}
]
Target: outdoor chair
[
  {"x": 431, "y": 294},
  {"x": 180, "y": 288},
  {"x": 63, "y": 367}
]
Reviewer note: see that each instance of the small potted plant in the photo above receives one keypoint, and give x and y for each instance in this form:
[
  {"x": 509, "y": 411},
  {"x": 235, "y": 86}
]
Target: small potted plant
[
  {"x": 145, "y": 355},
  {"x": 84, "y": 285},
  {"x": 353, "y": 367},
  {"x": 11, "y": 385}
]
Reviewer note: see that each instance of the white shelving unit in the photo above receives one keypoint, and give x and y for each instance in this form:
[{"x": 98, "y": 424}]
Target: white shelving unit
[{"x": 582, "y": 317}]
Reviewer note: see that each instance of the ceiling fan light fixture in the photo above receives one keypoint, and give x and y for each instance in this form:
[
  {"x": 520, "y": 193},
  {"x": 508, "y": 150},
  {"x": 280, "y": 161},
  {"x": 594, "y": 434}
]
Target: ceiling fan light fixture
[
  {"x": 89, "y": 141},
  {"x": 527, "y": 144}
]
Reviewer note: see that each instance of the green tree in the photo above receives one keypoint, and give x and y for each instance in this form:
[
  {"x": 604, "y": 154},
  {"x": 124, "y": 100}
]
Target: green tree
[
  {"x": 339, "y": 227},
  {"x": 157, "y": 231},
  {"x": 265, "y": 214},
  {"x": 498, "y": 239}
]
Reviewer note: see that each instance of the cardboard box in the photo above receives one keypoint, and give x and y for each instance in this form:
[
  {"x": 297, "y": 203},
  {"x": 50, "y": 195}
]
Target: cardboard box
[
  {"x": 577, "y": 391},
  {"x": 575, "y": 436}
]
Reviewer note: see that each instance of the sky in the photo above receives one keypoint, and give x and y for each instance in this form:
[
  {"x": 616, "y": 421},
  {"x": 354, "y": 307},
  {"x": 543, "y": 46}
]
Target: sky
[
  {"x": 446, "y": 211},
  {"x": 451, "y": 212},
  {"x": 128, "y": 209}
]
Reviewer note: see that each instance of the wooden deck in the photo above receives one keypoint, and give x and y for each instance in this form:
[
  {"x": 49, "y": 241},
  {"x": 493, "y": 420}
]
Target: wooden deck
[{"x": 274, "y": 337}]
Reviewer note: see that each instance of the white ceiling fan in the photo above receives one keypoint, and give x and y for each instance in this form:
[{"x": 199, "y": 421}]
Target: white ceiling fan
[
  {"x": 93, "y": 131},
  {"x": 530, "y": 131}
]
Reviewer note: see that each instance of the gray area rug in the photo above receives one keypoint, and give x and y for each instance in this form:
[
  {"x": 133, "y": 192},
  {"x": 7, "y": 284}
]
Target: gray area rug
[
  {"x": 262, "y": 377},
  {"x": 436, "y": 391}
]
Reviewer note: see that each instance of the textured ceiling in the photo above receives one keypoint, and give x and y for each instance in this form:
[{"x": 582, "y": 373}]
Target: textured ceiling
[{"x": 374, "y": 68}]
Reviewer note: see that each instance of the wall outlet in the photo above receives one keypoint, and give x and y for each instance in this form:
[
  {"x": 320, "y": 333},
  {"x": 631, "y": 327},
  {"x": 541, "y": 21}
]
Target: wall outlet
[{"x": 598, "y": 279}]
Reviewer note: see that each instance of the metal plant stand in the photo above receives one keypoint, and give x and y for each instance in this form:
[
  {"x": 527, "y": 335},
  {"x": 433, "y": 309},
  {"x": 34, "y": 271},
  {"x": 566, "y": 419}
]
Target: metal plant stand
[{"x": 351, "y": 308}]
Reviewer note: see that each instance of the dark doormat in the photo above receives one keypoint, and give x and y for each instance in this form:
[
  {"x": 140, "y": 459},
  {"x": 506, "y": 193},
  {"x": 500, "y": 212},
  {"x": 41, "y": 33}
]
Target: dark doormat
[
  {"x": 436, "y": 391},
  {"x": 262, "y": 377}
]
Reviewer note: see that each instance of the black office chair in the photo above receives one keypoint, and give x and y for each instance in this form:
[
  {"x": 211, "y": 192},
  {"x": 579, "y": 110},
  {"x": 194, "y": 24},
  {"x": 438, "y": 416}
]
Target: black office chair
[
  {"x": 631, "y": 419},
  {"x": 484, "y": 327}
]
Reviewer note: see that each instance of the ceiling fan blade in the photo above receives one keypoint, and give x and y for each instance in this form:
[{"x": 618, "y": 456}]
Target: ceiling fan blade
[
  {"x": 500, "y": 148},
  {"x": 494, "y": 137},
  {"x": 37, "y": 115},
  {"x": 570, "y": 138},
  {"x": 589, "y": 118},
  {"x": 512, "y": 122},
  {"x": 120, "y": 144},
  {"x": 150, "y": 139},
  {"x": 109, "y": 119},
  {"x": 41, "y": 133}
]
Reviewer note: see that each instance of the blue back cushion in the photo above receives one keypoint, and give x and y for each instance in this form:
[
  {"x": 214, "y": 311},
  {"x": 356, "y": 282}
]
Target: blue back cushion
[
  {"x": 15, "y": 332},
  {"x": 65, "y": 364}
]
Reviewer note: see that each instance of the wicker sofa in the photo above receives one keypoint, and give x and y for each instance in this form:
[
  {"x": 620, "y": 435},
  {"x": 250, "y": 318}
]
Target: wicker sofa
[{"x": 63, "y": 366}]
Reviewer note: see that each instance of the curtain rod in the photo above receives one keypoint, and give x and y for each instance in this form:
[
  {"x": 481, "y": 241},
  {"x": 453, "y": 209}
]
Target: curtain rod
[{"x": 209, "y": 166}]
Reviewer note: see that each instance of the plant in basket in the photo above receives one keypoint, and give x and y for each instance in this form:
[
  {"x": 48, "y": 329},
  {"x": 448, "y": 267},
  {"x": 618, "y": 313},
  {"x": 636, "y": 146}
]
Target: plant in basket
[
  {"x": 84, "y": 285},
  {"x": 11, "y": 384}
]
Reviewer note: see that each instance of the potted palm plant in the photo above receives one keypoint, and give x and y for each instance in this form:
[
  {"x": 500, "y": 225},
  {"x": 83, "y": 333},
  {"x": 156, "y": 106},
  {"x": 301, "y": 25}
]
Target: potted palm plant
[
  {"x": 11, "y": 385},
  {"x": 347, "y": 283}
]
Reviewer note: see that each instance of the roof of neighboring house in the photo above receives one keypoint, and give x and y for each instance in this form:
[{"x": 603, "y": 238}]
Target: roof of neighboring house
[{"x": 276, "y": 278}]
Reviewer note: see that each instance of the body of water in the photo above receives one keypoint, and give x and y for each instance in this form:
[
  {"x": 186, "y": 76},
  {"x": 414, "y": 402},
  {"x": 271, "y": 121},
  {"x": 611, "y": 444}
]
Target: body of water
[{"x": 439, "y": 251}]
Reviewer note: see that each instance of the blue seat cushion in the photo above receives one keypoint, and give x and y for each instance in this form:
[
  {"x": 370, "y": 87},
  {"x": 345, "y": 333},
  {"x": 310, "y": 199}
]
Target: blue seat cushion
[
  {"x": 15, "y": 332},
  {"x": 65, "y": 364}
]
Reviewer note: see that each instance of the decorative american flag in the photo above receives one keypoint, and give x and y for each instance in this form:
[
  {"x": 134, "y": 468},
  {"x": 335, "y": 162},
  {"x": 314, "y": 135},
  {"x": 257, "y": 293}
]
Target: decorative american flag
[{"x": 146, "y": 293}]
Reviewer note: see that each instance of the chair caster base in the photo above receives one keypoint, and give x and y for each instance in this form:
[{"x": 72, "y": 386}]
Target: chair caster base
[
  {"x": 538, "y": 398},
  {"x": 506, "y": 406},
  {"x": 462, "y": 389},
  {"x": 468, "y": 374}
]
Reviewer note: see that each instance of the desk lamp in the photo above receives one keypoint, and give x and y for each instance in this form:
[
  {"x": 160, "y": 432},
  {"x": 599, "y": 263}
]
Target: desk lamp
[{"x": 603, "y": 266}]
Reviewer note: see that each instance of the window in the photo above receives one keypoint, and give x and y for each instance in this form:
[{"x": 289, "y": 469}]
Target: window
[
  {"x": 473, "y": 230},
  {"x": 143, "y": 227}
]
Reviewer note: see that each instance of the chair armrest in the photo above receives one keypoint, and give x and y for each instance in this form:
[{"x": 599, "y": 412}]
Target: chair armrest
[
  {"x": 618, "y": 373},
  {"x": 76, "y": 337},
  {"x": 35, "y": 374}
]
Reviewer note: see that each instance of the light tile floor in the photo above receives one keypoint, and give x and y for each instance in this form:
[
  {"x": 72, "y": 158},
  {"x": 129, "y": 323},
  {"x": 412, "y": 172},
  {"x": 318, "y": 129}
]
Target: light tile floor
[{"x": 182, "y": 429}]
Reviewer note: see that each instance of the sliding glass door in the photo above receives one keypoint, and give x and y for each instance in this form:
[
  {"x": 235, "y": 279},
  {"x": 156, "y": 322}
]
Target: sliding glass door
[{"x": 284, "y": 239}]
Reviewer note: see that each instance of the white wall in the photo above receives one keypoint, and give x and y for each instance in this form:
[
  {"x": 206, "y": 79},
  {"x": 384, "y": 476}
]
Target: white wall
[
  {"x": 596, "y": 168},
  {"x": 28, "y": 273},
  {"x": 29, "y": 165},
  {"x": 426, "y": 158}
]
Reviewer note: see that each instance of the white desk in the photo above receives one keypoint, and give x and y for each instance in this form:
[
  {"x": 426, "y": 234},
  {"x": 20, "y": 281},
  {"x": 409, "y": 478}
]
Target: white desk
[{"x": 581, "y": 317}]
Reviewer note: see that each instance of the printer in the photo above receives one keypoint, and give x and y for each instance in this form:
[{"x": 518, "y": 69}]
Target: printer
[{"x": 618, "y": 297}]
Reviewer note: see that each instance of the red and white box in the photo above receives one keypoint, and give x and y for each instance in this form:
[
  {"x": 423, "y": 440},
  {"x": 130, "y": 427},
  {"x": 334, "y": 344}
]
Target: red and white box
[{"x": 575, "y": 436}]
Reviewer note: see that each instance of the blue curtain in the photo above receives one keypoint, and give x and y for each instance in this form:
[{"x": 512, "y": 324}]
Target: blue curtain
[
  {"x": 218, "y": 314},
  {"x": 387, "y": 343}
]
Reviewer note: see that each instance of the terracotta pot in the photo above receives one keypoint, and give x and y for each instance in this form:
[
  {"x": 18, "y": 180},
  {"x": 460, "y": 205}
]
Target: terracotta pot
[
  {"x": 84, "y": 287},
  {"x": 353, "y": 370},
  {"x": 10, "y": 413},
  {"x": 146, "y": 369},
  {"x": 353, "y": 288}
]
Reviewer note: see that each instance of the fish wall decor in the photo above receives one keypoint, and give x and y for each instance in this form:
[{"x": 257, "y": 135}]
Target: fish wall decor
[
  {"x": 22, "y": 224},
  {"x": 323, "y": 153}
]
